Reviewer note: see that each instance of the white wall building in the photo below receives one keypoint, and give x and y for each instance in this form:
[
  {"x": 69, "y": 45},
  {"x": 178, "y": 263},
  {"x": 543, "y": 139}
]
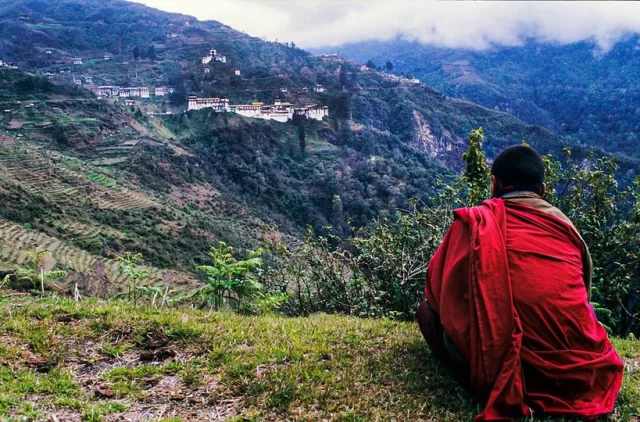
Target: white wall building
[
  {"x": 217, "y": 104},
  {"x": 280, "y": 111},
  {"x": 319, "y": 88},
  {"x": 314, "y": 112},
  {"x": 106, "y": 91}
]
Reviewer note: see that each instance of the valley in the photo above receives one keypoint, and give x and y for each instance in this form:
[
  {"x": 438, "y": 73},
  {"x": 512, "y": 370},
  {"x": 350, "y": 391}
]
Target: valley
[{"x": 103, "y": 169}]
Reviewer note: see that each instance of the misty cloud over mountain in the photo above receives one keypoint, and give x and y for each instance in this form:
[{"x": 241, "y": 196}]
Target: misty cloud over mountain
[{"x": 474, "y": 25}]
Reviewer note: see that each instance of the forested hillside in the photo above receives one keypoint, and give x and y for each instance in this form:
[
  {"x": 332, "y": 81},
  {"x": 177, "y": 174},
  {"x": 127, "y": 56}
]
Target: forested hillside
[
  {"x": 94, "y": 178},
  {"x": 574, "y": 90}
]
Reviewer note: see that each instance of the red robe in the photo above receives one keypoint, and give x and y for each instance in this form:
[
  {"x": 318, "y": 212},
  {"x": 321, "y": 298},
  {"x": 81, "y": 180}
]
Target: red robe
[{"x": 507, "y": 283}]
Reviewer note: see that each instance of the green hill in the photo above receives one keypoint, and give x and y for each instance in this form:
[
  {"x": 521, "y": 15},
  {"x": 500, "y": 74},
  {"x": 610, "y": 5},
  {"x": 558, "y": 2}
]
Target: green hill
[
  {"x": 98, "y": 177},
  {"x": 576, "y": 89},
  {"x": 62, "y": 360}
]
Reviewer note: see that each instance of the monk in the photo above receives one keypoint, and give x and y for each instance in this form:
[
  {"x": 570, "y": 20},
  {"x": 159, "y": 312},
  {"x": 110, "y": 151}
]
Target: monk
[{"x": 507, "y": 303}]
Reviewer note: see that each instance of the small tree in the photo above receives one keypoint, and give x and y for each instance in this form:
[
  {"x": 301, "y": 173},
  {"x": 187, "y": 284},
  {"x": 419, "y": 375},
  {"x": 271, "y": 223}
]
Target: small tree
[
  {"x": 136, "y": 53},
  {"x": 370, "y": 64},
  {"x": 151, "y": 53},
  {"x": 229, "y": 281},
  {"x": 128, "y": 266},
  {"x": 476, "y": 174},
  {"x": 302, "y": 137},
  {"x": 35, "y": 273},
  {"x": 343, "y": 76},
  {"x": 337, "y": 215},
  {"x": 389, "y": 66}
]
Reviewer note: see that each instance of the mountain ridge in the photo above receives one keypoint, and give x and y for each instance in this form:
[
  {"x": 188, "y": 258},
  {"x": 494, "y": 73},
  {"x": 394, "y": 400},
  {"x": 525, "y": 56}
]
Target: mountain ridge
[{"x": 567, "y": 88}]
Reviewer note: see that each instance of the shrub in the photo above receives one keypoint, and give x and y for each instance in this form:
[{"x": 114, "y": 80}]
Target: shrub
[{"x": 234, "y": 284}]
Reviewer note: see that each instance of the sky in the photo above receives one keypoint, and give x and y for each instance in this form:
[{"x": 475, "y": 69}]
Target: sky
[{"x": 477, "y": 24}]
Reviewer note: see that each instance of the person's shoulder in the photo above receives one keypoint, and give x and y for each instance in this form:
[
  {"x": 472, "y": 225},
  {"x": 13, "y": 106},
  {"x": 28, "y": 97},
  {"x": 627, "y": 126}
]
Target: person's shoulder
[{"x": 541, "y": 205}]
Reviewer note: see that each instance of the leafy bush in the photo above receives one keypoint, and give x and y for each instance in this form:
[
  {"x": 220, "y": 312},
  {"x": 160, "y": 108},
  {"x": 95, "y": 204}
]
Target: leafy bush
[
  {"x": 234, "y": 284},
  {"x": 128, "y": 265}
]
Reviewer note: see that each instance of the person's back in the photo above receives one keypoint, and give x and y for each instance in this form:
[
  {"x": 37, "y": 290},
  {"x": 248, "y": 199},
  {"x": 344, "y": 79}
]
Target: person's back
[{"x": 510, "y": 287}]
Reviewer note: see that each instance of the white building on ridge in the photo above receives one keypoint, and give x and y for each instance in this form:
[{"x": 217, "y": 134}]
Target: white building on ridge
[
  {"x": 213, "y": 55},
  {"x": 280, "y": 111},
  {"x": 217, "y": 104}
]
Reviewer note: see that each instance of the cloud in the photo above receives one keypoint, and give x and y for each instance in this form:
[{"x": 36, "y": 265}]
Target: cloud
[{"x": 477, "y": 25}]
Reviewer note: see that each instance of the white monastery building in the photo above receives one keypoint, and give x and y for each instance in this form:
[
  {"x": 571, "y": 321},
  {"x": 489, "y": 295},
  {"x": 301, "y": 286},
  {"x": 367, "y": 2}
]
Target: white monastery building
[
  {"x": 160, "y": 91},
  {"x": 217, "y": 104},
  {"x": 213, "y": 55},
  {"x": 279, "y": 111}
]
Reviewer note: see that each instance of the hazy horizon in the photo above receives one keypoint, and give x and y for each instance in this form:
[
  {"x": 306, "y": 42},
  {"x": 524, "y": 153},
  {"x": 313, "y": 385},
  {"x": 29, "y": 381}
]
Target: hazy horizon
[{"x": 475, "y": 25}]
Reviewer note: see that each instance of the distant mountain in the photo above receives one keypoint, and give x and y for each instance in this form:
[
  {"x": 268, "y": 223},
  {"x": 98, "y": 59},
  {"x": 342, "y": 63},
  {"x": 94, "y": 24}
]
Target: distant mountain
[{"x": 571, "y": 89}]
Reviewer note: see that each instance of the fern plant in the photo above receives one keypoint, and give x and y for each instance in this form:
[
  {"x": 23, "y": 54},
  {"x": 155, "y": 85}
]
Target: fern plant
[{"x": 35, "y": 274}]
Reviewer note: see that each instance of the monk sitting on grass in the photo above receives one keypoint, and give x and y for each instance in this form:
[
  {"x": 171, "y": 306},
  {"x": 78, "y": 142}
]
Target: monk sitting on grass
[{"x": 507, "y": 307}]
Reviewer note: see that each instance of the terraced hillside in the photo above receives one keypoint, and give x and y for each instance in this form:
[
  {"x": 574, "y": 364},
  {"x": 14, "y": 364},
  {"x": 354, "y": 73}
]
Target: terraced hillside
[
  {"x": 41, "y": 172},
  {"x": 75, "y": 180},
  {"x": 96, "y": 276}
]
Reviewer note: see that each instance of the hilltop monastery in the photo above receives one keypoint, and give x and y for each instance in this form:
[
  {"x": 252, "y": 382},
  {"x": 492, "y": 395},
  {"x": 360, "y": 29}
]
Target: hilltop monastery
[{"x": 279, "y": 111}]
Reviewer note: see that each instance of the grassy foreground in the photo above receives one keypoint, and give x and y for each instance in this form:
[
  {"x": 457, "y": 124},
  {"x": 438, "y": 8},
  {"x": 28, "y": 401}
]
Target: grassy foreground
[{"x": 65, "y": 361}]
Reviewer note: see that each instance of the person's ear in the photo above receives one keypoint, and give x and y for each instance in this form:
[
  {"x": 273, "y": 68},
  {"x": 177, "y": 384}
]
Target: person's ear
[
  {"x": 543, "y": 189},
  {"x": 494, "y": 185}
]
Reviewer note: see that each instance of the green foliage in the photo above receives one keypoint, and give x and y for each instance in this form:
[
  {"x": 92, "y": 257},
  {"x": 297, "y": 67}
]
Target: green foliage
[
  {"x": 101, "y": 179},
  {"x": 229, "y": 282},
  {"x": 476, "y": 174},
  {"x": 378, "y": 272},
  {"x": 302, "y": 137},
  {"x": 129, "y": 266},
  {"x": 35, "y": 275}
]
